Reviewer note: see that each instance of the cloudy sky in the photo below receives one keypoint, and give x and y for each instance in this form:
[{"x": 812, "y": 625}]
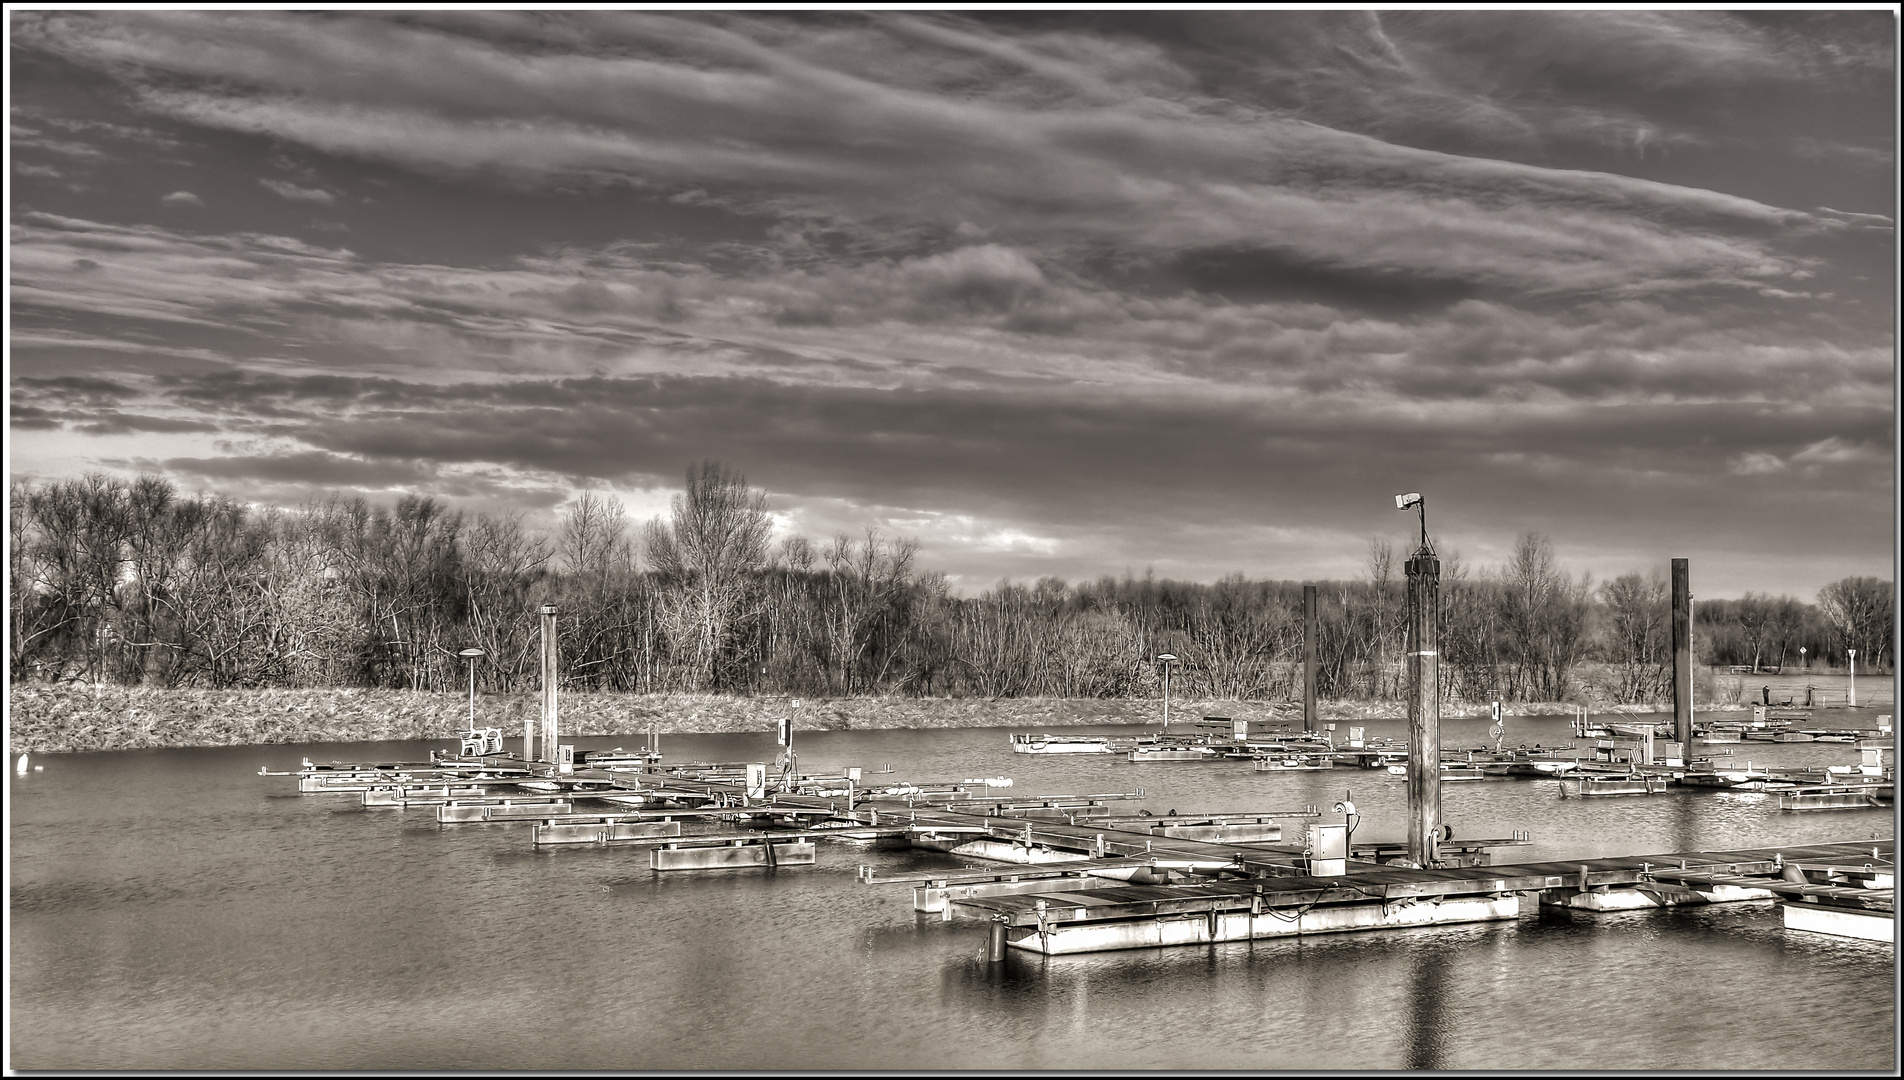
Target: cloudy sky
[{"x": 1066, "y": 293}]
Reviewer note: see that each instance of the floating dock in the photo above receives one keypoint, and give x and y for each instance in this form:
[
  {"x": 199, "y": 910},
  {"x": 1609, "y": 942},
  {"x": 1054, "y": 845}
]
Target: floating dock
[
  {"x": 1085, "y": 878},
  {"x": 1856, "y": 877}
]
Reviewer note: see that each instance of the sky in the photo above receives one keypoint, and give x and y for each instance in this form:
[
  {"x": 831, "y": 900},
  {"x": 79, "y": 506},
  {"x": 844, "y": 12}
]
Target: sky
[{"x": 1073, "y": 293}]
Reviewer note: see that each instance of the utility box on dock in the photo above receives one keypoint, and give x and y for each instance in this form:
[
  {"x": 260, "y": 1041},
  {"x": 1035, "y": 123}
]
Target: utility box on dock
[
  {"x": 756, "y": 780},
  {"x": 1328, "y": 849}
]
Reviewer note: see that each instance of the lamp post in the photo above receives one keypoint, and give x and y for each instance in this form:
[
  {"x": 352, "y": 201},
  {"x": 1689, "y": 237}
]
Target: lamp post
[
  {"x": 1166, "y": 659},
  {"x": 471, "y": 655},
  {"x": 1851, "y": 700},
  {"x": 1423, "y": 572},
  {"x": 1801, "y": 658}
]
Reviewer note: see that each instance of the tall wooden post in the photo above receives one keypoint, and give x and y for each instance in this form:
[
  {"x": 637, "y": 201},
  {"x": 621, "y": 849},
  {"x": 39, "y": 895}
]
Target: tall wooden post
[
  {"x": 548, "y": 684},
  {"x": 1682, "y": 654},
  {"x": 1308, "y": 657},
  {"x": 1424, "y": 707}
]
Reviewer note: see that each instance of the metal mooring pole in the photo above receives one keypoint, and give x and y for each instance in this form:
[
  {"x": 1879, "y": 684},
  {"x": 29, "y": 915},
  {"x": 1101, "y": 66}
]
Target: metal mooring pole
[
  {"x": 995, "y": 942},
  {"x": 1308, "y": 657},
  {"x": 1682, "y": 655},
  {"x": 1424, "y": 707},
  {"x": 548, "y": 684}
]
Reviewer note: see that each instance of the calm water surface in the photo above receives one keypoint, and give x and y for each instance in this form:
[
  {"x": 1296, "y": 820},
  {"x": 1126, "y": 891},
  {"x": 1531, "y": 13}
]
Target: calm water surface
[{"x": 174, "y": 910}]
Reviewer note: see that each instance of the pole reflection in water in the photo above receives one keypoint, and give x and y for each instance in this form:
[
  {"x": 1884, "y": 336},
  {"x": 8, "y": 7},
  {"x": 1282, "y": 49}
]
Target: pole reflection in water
[{"x": 1426, "y": 1035}]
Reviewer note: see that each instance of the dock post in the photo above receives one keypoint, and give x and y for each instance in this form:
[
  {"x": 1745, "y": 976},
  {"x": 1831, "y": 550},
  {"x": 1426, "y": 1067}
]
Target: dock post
[
  {"x": 548, "y": 686},
  {"x": 995, "y": 942},
  {"x": 1424, "y": 705},
  {"x": 1682, "y": 653},
  {"x": 1308, "y": 657}
]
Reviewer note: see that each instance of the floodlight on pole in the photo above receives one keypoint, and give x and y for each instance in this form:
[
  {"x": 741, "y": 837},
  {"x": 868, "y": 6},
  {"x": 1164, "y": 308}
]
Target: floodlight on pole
[
  {"x": 1415, "y": 501},
  {"x": 1166, "y": 659}
]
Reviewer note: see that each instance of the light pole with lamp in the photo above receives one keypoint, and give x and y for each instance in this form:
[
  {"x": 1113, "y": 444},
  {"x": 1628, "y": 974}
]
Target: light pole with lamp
[
  {"x": 475, "y": 743},
  {"x": 1166, "y": 659},
  {"x": 472, "y": 655},
  {"x": 1851, "y": 661}
]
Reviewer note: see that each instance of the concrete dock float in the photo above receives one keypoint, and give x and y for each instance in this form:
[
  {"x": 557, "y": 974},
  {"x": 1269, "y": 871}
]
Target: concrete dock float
[{"x": 1091, "y": 920}]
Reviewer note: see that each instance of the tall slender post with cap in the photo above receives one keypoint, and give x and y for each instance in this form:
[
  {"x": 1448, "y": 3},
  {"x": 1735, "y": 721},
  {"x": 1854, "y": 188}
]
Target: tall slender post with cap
[
  {"x": 1308, "y": 657},
  {"x": 548, "y": 686},
  {"x": 472, "y": 655},
  {"x": 1166, "y": 659},
  {"x": 1682, "y": 653},
  {"x": 1423, "y": 571}
]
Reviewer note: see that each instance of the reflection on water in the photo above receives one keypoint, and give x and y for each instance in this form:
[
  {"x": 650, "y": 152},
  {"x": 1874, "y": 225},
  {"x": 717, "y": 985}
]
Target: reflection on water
[
  {"x": 171, "y": 909},
  {"x": 1427, "y": 1031}
]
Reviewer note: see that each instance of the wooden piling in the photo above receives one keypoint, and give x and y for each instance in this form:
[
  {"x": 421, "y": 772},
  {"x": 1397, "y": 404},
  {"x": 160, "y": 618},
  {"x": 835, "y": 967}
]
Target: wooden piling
[
  {"x": 1309, "y": 658},
  {"x": 1424, "y": 706},
  {"x": 548, "y": 690},
  {"x": 1682, "y": 653}
]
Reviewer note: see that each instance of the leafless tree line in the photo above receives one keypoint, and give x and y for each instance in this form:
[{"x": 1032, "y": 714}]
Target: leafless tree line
[{"x": 131, "y": 582}]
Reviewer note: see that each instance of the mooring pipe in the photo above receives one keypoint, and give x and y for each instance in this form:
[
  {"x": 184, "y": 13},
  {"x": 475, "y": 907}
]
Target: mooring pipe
[
  {"x": 1682, "y": 653},
  {"x": 1424, "y": 707},
  {"x": 1308, "y": 657},
  {"x": 995, "y": 942},
  {"x": 548, "y": 687}
]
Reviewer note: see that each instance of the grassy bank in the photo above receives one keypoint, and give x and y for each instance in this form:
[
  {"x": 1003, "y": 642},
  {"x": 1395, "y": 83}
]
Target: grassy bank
[{"x": 68, "y": 717}]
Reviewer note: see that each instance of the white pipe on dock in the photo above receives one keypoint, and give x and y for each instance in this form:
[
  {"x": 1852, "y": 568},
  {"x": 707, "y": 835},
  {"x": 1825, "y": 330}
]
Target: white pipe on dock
[{"x": 547, "y": 749}]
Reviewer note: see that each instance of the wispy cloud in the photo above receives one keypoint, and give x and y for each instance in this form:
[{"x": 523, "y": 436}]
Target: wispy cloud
[{"x": 284, "y": 189}]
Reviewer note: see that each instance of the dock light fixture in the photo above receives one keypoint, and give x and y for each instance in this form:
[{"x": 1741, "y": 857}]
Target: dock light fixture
[
  {"x": 472, "y": 655},
  {"x": 1166, "y": 659},
  {"x": 1414, "y": 501},
  {"x": 1851, "y": 661},
  {"x": 1801, "y": 658}
]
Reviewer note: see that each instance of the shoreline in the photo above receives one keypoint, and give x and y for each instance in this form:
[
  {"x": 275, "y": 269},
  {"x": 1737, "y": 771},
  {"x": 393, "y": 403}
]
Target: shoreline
[{"x": 71, "y": 719}]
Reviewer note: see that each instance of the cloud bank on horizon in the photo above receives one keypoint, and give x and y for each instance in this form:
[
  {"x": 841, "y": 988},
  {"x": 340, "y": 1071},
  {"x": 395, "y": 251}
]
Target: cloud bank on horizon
[{"x": 1065, "y": 293}]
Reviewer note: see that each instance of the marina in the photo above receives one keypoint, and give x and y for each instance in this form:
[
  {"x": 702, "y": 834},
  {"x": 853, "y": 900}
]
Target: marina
[
  {"x": 1147, "y": 881},
  {"x": 1203, "y": 880},
  {"x": 262, "y": 893},
  {"x": 1091, "y": 866}
]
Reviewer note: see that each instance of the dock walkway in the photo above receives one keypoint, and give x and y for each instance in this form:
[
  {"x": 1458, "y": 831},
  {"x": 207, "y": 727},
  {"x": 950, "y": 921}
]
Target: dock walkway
[{"x": 1095, "y": 919}]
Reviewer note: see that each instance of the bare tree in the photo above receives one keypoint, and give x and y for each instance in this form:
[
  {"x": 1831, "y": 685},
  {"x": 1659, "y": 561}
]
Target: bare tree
[
  {"x": 1543, "y": 619},
  {"x": 867, "y": 585},
  {"x": 709, "y": 552},
  {"x": 1638, "y": 635},
  {"x": 1753, "y": 615},
  {"x": 1858, "y": 610}
]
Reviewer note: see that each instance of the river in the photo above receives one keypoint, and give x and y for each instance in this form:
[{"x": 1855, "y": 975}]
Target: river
[{"x": 171, "y": 909}]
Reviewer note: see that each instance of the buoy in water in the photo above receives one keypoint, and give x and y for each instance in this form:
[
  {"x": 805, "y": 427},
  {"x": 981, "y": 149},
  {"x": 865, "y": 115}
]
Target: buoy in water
[{"x": 21, "y": 767}]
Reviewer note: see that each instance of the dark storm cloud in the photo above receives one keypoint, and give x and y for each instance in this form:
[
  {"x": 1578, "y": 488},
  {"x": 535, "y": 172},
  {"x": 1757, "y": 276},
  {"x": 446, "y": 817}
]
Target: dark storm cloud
[
  {"x": 1039, "y": 451},
  {"x": 1054, "y": 289},
  {"x": 1056, "y": 148},
  {"x": 1384, "y": 335},
  {"x": 73, "y": 390},
  {"x": 122, "y": 424},
  {"x": 310, "y": 469}
]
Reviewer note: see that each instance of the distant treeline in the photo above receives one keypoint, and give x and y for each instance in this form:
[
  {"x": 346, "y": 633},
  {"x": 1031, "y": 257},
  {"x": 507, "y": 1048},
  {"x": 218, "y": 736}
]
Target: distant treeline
[{"x": 130, "y": 582}]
